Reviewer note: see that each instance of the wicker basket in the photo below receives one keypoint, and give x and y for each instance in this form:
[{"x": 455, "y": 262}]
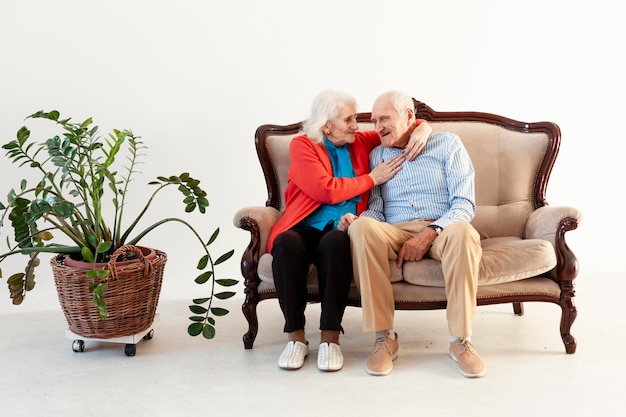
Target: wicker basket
[{"x": 132, "y": 295}]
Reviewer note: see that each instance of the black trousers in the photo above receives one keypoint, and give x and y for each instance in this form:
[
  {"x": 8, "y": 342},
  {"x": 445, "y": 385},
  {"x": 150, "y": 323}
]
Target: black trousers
[{"x": 329, "y": 250}]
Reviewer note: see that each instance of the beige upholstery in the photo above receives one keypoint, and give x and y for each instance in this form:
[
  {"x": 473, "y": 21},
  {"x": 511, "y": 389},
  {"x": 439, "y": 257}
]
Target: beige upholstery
[{"x": 521, "y": 236}]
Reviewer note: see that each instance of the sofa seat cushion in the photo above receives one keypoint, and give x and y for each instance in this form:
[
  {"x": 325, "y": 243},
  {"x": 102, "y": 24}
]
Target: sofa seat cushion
[{"x": 505, "y": 259}]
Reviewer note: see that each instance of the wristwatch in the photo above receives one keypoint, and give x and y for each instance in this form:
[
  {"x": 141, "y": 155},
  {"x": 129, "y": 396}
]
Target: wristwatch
[{"x": 436, "y": 228}]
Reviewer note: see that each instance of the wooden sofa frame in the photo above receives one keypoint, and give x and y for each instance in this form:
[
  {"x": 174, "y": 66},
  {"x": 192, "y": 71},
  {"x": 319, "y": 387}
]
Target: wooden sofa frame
[{"x": 556, "y": 286}]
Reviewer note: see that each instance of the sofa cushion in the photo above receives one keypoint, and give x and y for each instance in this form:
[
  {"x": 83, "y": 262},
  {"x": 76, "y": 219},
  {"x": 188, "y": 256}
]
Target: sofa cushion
[{"x": 505, "y": 259}]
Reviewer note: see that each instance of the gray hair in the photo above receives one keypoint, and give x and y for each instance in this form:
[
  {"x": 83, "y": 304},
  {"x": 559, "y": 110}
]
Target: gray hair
[
  {"x": 325, "y": 107},
  {"x": 400, "y": 101}
]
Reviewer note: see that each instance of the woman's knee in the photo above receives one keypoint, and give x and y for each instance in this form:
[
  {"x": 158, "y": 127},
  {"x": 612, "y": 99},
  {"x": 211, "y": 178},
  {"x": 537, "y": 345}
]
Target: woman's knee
[
  {"x": 288, "y": 242},
  {"x": 335, "y": 241}
]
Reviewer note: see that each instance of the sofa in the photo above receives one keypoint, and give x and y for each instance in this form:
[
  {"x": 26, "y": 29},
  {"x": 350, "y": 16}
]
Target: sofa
[{"x": 525, "y": 255}]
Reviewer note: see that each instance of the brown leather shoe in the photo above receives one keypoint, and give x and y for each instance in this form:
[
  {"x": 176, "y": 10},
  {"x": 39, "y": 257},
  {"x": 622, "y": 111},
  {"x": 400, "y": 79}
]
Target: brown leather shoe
[
  {"x": 468, "y": 362},
  {"x": 380, "y": 362}
]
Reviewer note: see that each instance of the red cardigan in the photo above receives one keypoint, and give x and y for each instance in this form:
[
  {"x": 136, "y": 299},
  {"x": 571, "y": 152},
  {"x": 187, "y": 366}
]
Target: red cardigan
[{"x": 311, "y": 182}]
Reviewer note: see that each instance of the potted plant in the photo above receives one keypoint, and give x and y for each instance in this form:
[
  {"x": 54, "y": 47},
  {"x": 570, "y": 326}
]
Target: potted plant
[{"x": 83, "y": 193}]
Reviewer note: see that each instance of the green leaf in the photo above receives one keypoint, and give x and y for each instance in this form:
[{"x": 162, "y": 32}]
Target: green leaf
[
  {"x": 200, "y": 300},
  {"x": 202, "y": 263},
  {"x": 224, "y": 295},
  {"x": 184, "y": 190},
  {"x": 87, "y": 255},
  {"x": 208, "y": 331},
  {"x": 204, "y": 277},
  {"x": 197, "y": 309},
  {"x": 91, "y": 239},
  {"x": 224, "y": 257},
  {"x": 219, "y": 311},
  {"x": 103, "y": 247},
  {"x": 196, "y": 318},
  {"x": 64, "y": 209},
  {"x": 213, "y": 236},
  {"x": 203, "y": 202},
  {"x": 22, "y": 135},
  {"x": 100, "y": 274},
  {"x": 86, "y": 123},
  {"x": 100, "y": 289},
  {"x": 226, "y": 282},
  {"x": 195, "y": 329}
]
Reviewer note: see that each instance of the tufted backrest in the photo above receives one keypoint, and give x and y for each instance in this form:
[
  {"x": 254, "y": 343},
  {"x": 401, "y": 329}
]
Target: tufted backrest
[{"x": 512, "y": 160}]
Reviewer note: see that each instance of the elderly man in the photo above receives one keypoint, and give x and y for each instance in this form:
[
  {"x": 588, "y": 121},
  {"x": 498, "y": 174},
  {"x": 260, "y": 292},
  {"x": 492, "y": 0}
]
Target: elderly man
[{"x": 423, "y": 211}]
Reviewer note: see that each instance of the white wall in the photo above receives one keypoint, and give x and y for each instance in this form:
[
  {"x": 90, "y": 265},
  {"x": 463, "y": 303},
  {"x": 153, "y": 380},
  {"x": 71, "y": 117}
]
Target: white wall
[{"x": 195, "y": 78}]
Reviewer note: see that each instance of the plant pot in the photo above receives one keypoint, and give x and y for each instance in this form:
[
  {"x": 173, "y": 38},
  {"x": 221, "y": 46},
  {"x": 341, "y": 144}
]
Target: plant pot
[
  {"x": 148, "y": 253},
  {"x": 132, "y": 295}
]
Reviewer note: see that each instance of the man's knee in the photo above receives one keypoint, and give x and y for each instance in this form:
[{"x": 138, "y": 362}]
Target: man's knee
[
  {"x": 360, "y": 227},
  {"x": 464, "y": 230}
]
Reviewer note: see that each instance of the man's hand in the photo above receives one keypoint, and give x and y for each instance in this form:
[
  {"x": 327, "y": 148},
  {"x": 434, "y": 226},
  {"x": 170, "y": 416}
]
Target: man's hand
[
  {"x": 415, "y": 248},
  {"x": 417, "y": 140},
  {"x": 345, "y": 221}
]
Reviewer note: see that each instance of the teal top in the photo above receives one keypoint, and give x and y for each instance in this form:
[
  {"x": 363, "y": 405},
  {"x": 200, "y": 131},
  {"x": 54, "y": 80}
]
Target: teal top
[{"x": 342, "y": 168}]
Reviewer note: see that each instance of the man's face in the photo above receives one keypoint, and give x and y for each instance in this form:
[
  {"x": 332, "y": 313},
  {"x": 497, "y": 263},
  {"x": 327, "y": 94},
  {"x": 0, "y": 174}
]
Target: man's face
[{"x": 392, "y": 127}]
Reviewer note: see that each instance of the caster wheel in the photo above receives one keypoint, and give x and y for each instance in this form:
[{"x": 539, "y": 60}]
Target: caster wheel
[
  {"x": 149, "y": 335},
  {"x": 130, "y": 350},
  {"x": 78, "y": 346}
]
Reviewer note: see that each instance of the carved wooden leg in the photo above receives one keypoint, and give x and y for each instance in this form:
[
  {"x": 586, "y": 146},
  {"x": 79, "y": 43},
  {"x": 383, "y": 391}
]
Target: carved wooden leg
[
  {"x": 249, "y": 264},
  {"x": 567, "y": 271},
  {"x": 250, "y": 313},
  {"x": 518, "y": 308},
  {"x": 568, "y": 315}
]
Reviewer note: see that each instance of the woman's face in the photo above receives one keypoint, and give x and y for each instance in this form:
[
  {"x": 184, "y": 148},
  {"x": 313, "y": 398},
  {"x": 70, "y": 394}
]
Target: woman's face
[{"x": 340, "y": 130}]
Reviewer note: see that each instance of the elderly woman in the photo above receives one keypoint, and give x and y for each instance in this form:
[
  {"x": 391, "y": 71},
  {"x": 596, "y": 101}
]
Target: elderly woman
[{"x": 329, "y": 177}]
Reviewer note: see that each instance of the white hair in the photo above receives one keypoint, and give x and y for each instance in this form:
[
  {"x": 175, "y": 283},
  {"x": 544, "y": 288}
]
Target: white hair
[
  {"x": 325, "y": 107},
  {"x": 400, "y": 101}
]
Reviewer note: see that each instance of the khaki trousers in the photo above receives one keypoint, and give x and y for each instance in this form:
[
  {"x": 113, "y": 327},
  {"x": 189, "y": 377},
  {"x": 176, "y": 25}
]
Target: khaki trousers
[{"x": 374, "y": 244}]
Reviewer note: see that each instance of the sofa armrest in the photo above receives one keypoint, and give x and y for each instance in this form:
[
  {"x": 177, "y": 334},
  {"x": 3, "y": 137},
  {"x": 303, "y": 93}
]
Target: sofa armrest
[
  {"x": 258, "y": 221},
  {"x": 545, "y": 222},
  {"x": 551, "y": 224}
]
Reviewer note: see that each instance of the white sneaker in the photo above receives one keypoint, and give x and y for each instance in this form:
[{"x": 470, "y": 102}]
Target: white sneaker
[
  {"x": 293, "y": 355},
  {"x": 329, "y": 357}
]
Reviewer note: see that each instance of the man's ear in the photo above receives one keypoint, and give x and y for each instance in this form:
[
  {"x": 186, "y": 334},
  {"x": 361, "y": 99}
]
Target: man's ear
[{"x": 410, "y": 117}]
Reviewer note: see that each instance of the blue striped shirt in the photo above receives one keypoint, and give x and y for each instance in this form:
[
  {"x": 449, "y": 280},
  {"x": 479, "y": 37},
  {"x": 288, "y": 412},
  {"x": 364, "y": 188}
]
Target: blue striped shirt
[{"x": 437, "y": 185}]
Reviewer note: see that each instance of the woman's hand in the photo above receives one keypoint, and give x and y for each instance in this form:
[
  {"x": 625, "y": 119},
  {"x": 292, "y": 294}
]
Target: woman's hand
[
  {"x": 384, "y": 171},
  {"x": 418, "y": 140},
  {"x": 345, "y": 221}
]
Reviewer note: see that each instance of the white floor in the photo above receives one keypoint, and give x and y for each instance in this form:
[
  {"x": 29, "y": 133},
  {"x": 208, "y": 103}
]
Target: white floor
[{"x": 528, "y": 371}]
